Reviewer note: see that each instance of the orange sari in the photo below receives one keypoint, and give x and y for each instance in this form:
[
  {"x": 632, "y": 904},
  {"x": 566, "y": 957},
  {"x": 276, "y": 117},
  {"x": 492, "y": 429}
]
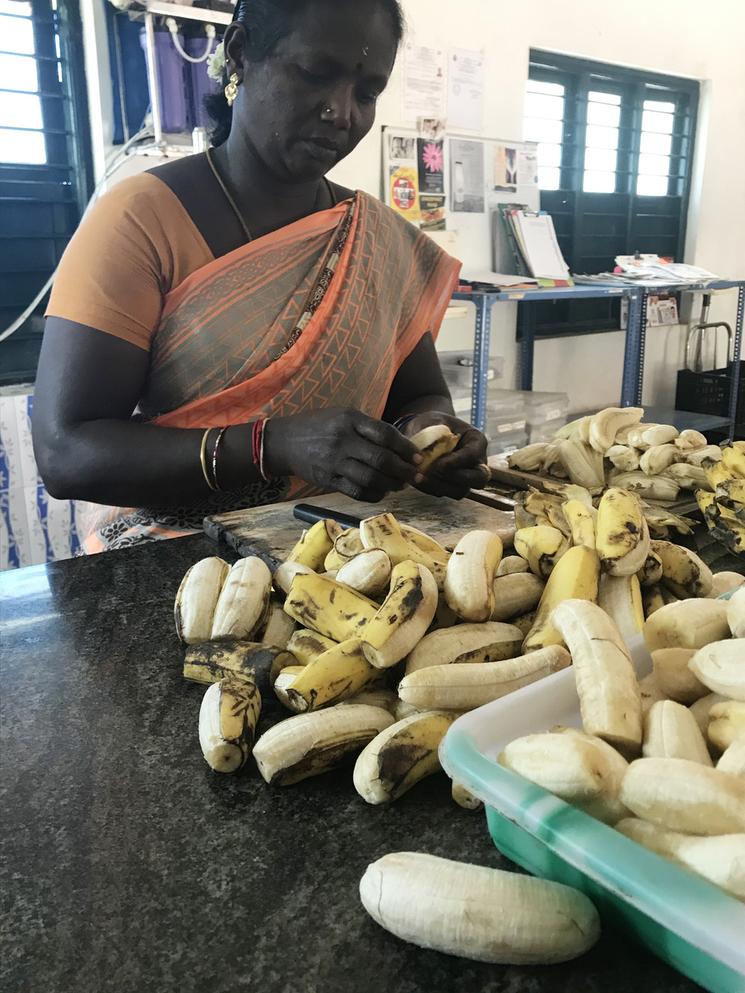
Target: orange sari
[{"x": 321, "y": 313}]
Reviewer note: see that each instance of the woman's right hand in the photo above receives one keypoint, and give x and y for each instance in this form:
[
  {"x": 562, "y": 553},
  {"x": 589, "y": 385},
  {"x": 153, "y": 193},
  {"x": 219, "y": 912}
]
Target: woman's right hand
[{"x": 341, "y": 449}]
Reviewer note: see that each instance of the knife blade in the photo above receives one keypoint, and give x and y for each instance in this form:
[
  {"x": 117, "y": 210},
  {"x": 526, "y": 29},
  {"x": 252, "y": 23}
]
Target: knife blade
[{"x": 309, "y": 513}]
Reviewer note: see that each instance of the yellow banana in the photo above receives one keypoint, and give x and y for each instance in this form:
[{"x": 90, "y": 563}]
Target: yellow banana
[
  {"x": 575, "y": 577},
  {"x": 315, "y": 545},
  {"x": 683, "y": 572},
  {"x": 329, "y": 608},
  {"x": 541, "y": 547},
  {"x": 306, "y": 645},
  {"x": 404, "y": 617},
  {"x": 227, "y": 724},
  {"x": 650, "y": 573},
  {"x": 581, "y": 521},
  {"x": 424, "y": 543},
  {"x": 385, "y": 532},
  {"x": 336, "y": 675},
  {"x": 622, "y": 533},
  {"x": 241, "y": 661}
]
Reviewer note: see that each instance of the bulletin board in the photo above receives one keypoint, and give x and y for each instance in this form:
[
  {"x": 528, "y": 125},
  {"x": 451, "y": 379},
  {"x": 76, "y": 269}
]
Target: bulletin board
[{"x": 453, "y": 183}]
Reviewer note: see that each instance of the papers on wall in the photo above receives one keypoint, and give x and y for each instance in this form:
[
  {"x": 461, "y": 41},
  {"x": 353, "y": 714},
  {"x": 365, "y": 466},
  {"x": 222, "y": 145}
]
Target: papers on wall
[
  {"x": 465, "y": 90},
  {"x": 467, "y": 191},
  {"x": 424, "y": 82},
  {"x": 505, "y": 168},
  {"x": 527, "y": 165}
]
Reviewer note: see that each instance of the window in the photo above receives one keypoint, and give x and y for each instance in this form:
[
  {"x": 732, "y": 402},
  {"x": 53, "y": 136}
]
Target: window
[
  {"x": 615, "y": 148},
  {"x": 44, "y": 158}
]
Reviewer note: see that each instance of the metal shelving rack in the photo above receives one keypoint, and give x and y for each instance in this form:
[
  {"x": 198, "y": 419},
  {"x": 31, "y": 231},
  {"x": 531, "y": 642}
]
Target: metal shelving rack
[{"x": 633, "y": 367}]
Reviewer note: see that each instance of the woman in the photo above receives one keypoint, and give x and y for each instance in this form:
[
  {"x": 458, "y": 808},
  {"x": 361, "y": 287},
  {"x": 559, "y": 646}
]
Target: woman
[{"x": 267, "y": 327}]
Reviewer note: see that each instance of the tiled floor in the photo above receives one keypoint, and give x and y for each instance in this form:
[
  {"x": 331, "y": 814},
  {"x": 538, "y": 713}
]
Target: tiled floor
[{"x": 34, "y": 528}]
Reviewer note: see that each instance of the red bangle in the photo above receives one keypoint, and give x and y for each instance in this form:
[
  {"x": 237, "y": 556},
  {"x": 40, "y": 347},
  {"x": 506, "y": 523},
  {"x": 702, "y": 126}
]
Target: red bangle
[{"x": 257, "y": 448}]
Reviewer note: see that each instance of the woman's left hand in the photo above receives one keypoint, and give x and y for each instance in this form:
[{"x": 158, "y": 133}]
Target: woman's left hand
[{"x": 464, "y": 469}]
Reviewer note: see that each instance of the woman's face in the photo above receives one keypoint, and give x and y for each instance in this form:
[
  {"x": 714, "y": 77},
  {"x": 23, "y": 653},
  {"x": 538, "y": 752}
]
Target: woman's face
[{"x": 307, "y": 105}]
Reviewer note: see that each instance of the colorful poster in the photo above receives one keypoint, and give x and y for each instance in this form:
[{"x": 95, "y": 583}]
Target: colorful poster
[
  {"x": 404, "y": 191},
  {"x": 432, "y": 210},
  {"x": 431, "y": 166},
  {"x": 467, "y": 189},
  {"x": 505, "y": 168}
]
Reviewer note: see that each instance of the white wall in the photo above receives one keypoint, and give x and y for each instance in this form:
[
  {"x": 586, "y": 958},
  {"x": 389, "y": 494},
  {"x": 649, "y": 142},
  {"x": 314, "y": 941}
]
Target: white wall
[{"x": 680, "y": 37}]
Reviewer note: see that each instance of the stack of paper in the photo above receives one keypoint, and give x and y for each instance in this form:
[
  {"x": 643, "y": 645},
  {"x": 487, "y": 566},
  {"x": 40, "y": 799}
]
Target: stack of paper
[
  {"x": 650, "y": 270},
  {"x": 525, "y": 241}
]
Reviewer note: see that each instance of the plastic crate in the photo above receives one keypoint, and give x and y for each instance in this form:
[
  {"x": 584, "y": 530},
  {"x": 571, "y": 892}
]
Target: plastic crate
[
  {"x": 546, "y": 431},
  {"x": 501, "y": 443},
  {"x": 683, "y": 919},
  {"x": 708, "y": 392},
  {"x": 546, "y": 407}
]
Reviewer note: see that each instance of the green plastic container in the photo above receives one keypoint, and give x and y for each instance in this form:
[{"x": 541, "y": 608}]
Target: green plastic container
[{"x": 688, "y": 922}]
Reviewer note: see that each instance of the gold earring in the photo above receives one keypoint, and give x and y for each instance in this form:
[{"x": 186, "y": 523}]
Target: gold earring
[{"x": 231, "y": 90}]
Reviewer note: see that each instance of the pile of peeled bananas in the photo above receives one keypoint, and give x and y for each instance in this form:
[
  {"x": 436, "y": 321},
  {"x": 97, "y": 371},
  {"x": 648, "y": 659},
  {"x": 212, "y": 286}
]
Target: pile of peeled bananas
[
  {"x": 376, "y": 638},
  {"x": 655, "y": 461}
]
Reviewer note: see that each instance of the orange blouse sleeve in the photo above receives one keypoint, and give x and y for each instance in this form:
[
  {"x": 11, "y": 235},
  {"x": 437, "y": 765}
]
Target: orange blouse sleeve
[{"x": 134, "y": 246}]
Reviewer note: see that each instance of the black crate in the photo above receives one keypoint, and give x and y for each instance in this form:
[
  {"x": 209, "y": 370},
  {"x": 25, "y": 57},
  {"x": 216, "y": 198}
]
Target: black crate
[{"x": 708, "y": 392}]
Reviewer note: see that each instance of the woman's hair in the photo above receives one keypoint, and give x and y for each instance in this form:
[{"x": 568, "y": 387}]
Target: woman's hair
[{"x": 266, "y": 23}]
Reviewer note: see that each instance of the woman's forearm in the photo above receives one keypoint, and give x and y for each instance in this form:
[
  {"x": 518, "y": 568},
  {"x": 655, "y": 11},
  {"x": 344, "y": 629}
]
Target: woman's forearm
[
  {"x": 422, "y": 405},
  {"x": 128, "y": 464}
]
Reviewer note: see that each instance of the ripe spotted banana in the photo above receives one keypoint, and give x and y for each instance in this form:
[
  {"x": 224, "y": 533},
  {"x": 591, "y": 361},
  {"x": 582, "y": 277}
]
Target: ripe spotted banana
[
  {"x": 623, "y": 458},
  {"x": 583, "y": 465},
  {"x": 690, "y": 441},
  {"x": 674, "y": 677},
  {"x": 346, "y": 546},
  {"x": 541, "y": 547},
  {"x": 516, "y": 594},
  {"x": 650, "y": 573},
  {"x": 307, "y": 645},
  {"x": 227, "y": 724},
  {"x": 403, "y": 618},
  {"x": 736, "y": 614},
  {"x": 524, "y": 622},
  {"x": 621, "y": 598},
  {"x": 243, "y": 602},
  {"x": 368, "y": 573},
  {"x": 434, "y": 443},
  {"x": 704, "y": 456},
  {"x": 578, "y": 768},
  {"x": 278, "y": 628},
  {"x": 687, "y": 624},
  {"x": 489, "y": 642},
  {"x": 683, "y": 572},
  {"x": 469, "y": 579},
  {"x": 400, "y": 756},
  {"x": 652, "y": 600},
  {"x": 685, "y": 796},
  {"x": 575, "y": 577},
  {"x": 720, "y": 666},
  {"x": 463, "y": 686},
  {"x": 512, "y": 565},
  {"x": 310, "y": 744},
  {"x": 385, "y": 532},
  {"x": 329, "y": 608},
  {"x": 671, "y": 732},
  {"x": 581, "y": 520},
  {"x": 733, "y": 758},
  {"x": 315, "y": 545},
  {"x": 721, "y": 860},
  {"x": 284, "y": 575},
  {"x": 241, "y": 661},
  {"x": 425, "y": 543},
  {"x": 196, "y": 600},
  {"x": 622, "y": 535},
  {"x": 726, "y": 724},
  {"x": 605, "y": 425},
  {"x": 610, "y": 700},
  {"x": 336, "y": 675},
  {"x": 478, "y": 913}
]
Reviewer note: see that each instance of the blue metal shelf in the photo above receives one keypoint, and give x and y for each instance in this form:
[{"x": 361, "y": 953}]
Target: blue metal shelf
[{"x": 634, "y": 353}]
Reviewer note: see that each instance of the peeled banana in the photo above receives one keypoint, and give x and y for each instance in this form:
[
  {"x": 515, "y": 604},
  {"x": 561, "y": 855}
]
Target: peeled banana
[
  {"x": 725, "y": 582},
  {"x": 690, "y": 441},
  {"x": 726, "y": 724},
  {"x": 310, "y": 744},
  {"x": 701, "y": 709},
  {"x": 687, "y": 624},
  {"x": 285, "y": 574},
  {"x": 685, "y": 796},
  {"x": 720, "y": 666},
  {"x": 197, "y": 598},
  {"x": 227, "y": 723},
  {"x": 469, "y": 580},
  {"x": 675, "y": 678},
  {"x": 736, "y": 614},
  {"x": 490, "y": 642},
  {"x": 278, "y": 627},
  {"x": 583, "y": 465},
  {"x": 461, "y": 686},
  {"x": 671, "y": 732},
  {"x": 733, "y": 758},
  {"x": 477, "y": 913},
  {"x": 516, "y": 594},
  {"x": 605, "y": 425},
  {"x": 541, "y": 547},
  {"x": 464, "y": 798},
  {"x": 243, "y": 601},
  {"x": 528, "y": 459},
  {"x": 433, "y": 443},
  {"x": 647, "y": 487},
  {"x": 623, "y": 458},
  {"x": 610, "y": 700},
  {"x": 400, "y": 756},
  {"x": 368, "y": 573},
  {"x": 511, "y": 565},
  {"x": 721, "y": 860},
  {"x": 650, "y": 692},
  {"x": 621, "y": 598}
]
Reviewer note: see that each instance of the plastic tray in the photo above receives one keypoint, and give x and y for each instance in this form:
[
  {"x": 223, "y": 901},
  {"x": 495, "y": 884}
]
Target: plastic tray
[{"x": 685, "y": 920}]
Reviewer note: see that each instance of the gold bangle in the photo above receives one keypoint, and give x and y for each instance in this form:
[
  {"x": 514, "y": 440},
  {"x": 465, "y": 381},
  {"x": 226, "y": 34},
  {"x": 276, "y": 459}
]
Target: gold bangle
[{"x": 203, "y": 458}]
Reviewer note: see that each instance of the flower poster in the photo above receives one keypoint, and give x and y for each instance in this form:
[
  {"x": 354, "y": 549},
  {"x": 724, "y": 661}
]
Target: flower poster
[{"x": 431, "y": 166}]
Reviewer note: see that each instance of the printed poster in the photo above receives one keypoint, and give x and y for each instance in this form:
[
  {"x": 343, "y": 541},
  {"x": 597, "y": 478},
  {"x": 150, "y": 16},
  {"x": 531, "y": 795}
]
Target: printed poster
[
  {"x": 466, "y": 90},
  {"x": 467, "y": 187},
  {"x": 403, "y": 188},
  {"x": 433, "y": 212},
  {"x": 505, "y": 168},
  {"x": 431, "y": 166},
  {"x": 424, "y": 82}
]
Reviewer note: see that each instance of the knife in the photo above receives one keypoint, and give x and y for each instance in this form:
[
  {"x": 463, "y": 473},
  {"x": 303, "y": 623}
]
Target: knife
[{"x": 309, "y": 513}]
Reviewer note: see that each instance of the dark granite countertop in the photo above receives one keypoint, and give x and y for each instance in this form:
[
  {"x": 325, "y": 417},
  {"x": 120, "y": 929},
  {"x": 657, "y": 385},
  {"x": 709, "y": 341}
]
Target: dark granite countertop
[{"x": 128, "y": 867}]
